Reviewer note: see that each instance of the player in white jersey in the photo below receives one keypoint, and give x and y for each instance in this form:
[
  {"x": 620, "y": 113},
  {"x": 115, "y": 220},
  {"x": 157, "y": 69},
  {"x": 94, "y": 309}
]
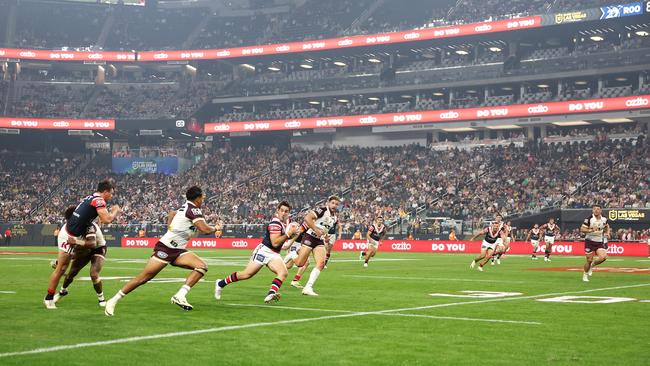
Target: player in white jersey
[
  {"x": 317, "y": 224},
  {"x": 534, "y": 235},
  {"x": 503, "y": 244},
  {"x": 596, "y": 230},
  {"x": 267, "y": 254},
  {"x": 184, "y": 224},
  {"x": 81, "y": 257},
  {"x": 374, "y": 236},
  {"x": 550, "y": 230}
]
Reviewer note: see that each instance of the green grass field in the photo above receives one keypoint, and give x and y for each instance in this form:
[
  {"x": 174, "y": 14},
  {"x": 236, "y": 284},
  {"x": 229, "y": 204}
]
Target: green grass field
[{"x": 381, "y": 315}]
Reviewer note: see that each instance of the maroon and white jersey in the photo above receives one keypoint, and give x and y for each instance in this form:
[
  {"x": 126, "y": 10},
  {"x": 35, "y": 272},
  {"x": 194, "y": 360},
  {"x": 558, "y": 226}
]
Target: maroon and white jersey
[
  {"x": 182, "y": 228},
  {"x": 377, "y": 232},
  {"x": 598, "y": 224},
  {"x": 325, "y": 220}
]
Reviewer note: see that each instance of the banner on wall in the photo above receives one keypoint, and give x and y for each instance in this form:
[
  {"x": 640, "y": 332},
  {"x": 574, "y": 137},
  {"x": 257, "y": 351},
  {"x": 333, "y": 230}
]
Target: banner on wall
[
  {"x": 467, "y": 114},
  {"x": 165, "y": 165},
  {"x": 57, "y": 123},
  {"x": 409, "y": 246}
]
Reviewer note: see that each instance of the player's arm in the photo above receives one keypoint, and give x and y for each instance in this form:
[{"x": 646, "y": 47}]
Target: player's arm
[
  {"x": 90, "y": 241},
  {"x": 170, "y": 217},
  {"x": 106, "y": 217},
  {"x": 310, "y": 220},
  {"x": 477, "y": 235},
  {"x": 585, "y": 228},
  {"x": 203, "y": 226},
  {"x": 277, "y": 238},
  {"x": 368, "y": 233}
]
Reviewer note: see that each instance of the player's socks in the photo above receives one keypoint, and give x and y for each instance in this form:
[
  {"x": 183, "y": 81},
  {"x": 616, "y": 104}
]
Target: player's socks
[
  {"x": 275, "y": 286},
  {"x": 98, "y": 286},
  {"x": 118, "y": 296},
  {"x": 183, "y": 291},
  {"x": 327, "y": 258},
  {"x": 313, "y": 276},
  {"x": 228, "y": 280},
  {"x": 50, "y": 294},
  {"x": 297, "y": 277}
]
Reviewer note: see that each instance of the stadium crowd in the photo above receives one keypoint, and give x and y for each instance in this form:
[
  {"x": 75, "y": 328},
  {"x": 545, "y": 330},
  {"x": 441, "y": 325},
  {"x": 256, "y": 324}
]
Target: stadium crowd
[{"x": 464, "y": 182}]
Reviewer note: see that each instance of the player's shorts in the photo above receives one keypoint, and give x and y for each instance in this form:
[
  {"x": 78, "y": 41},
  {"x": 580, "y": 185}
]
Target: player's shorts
[
  {"x": 295, "y": 246},
  {"x": 535, "y": 243},
  {"x": 593, "y": 246},
  {"x": 167, "y": 254},
  {"x": 373, "y": 243},
  {"x": 64, "y": 237},
  {"x": 549, "y": 239},
  {"x": 100, "y": 251},
  {"x": 485, "y": 245},
  {"x": 311, "y": 241},
  {"x": 263, "y": 255},
  {"x": 499, "y": 242}
]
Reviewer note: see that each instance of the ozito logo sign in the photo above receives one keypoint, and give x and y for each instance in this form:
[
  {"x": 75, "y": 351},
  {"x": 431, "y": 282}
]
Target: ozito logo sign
[{"x": 618, "y": 11}]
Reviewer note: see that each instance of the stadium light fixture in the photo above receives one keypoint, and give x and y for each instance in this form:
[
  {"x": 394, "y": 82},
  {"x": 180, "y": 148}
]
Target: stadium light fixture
[
  {"x": 186, "y": 134},
  {"x": 305, "y": 65},
  {"x": 248, "y": 66},
  {"x": 597, "y": 38},
  {"x": 462, "y": 52},
  {"x": 459, "y": 129},
  {"x": 571, "y": 123},
  {"x": 343, "y": 100},
  {"x": 406, "y": 96},
  {"x": 374, "y": 98},
  {"x": 581, "y": 82},
  {"x": 438, "y": 94},
  {"x": 314, "y": 102},
  {"x": 507, "y": 88},
  {"x": 641, "y": 33},
  {"x": 495, "y": 49},
  {"x": 472, "y": 91},
  {"x": 340, "y": 63},
  {"x": 621, "y": 78},
  {"x": 374, "y": 60},
  {"x": 617, "y": 120},
  {"x": 274, "y": 68},
  {"x": 543, "y": 86}
]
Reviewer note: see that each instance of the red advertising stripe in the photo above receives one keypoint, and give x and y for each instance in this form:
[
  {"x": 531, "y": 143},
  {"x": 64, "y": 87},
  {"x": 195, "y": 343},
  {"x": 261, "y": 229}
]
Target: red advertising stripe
[
  {"x": 345, "y": 42},
  {"x": 414, "y": 246},
  {"x": 279, "y": 48},
  {"x": 468, "y": 114},
  {"x": 57, "y": 124},
  {"x": 58, "y": 55}
]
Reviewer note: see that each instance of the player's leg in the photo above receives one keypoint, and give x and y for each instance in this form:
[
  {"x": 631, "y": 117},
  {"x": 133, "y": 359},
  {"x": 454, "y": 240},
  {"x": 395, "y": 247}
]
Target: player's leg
[
  {"x": 535, "y": 245},
  {"x": 488, "y": 255},
  {"x": 296, "y": 279},
  {"x": 589, "y": 256},
  {"x": 372, "y": 250},
  {"x": 96, "y": 266},
  {"x": 199, "y": 268},
  {"x": 151, "y": 269},
  {"x": 62, "y": 262},
  {"x": 251, "y": 270},
  {"x": 303, "y": 255},
  {"x": 276, "y": 265},
  {"x": 328, "y": 248},
  {"x": 79, "y": 260},
  {"x": 547, "y": 251},
  {"x": 319, "y": 257},
  {"x": 601, "y": 254},
  {"x": 480, "y": 256}
]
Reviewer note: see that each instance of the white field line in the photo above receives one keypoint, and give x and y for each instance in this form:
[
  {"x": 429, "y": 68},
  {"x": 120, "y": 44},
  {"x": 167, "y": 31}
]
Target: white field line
[
  {"x": 282, "y": 322},
  {"x": 432, "y": 279},
  {"x": 388, "y": 314},
  {"x": 7, "y": 292}
]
